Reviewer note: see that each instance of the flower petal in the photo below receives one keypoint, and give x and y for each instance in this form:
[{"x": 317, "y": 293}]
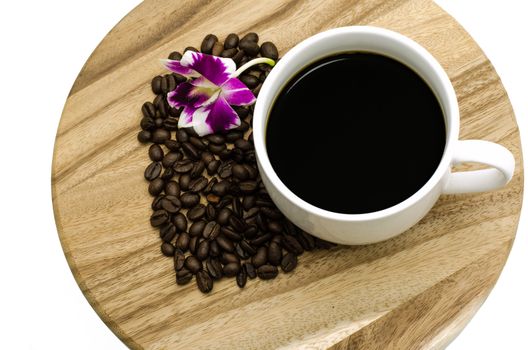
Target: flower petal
[
  {"x": 186, "y": 117},
  {"x": 191, "y": 94},
  {"x": 218, "y": 116},
  {"x": 215, "y": 69},
  {"x": 236, "y": 93},
  {"x": 177, "y": 67}
]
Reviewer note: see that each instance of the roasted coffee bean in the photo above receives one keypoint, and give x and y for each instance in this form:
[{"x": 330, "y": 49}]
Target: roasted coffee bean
[
  {"x": 168, "y": 83},
  {"x": 167, "y": 249},
  {"x": 269, "y": 50},
  {"x": 210, "y": 212},
  {"x": 241, "y": 111},
  {"x": 251, "y": 232},
  {"x": 158, "y": 122},
  {"x": 171, "y": 158},
  {"x": 152, "y": 171},
  {"x": 224, "y": 202},
  {"x": 248, "y": 248},
  {"x": 241, "y": 253},
  {"x": 216, "y": 149},
  {"x": 168, "y": 232},
  {"x": 252, "y": 212},
  {"x": 170, "y": 124},
  {"x": 221, "y": 188},
  {"x": 243, "y": 127},
  {"x": 267, "y": 272},
  {"x": 261, "y": 239},
  {"x": 190, "y": 151},
  {"x": 252, "y": 171},
  {"x": 193, "y": 244},
  {"x": 214, "y": 249},
  {"x": 213, "y": 166},
  {"x": 263, "y": 203},
  {"x": 216, "y": 139},
  {"x": 179, "y": 259},
  {"x": 159, "y": 217},
  {"x": 202, "y": 252},
  {"x": 183, "y": 166},
  {"x": 289, "y": 262},
  {"x": 274, "y": 226},
  {"x": 248, "y": 202},
  {"x": 180, "y": 222},
  {"x": 237, "y": 207},
  {"x": 204, "y": 282},
  {"x": 155, "y": 153},
  {"x": 198, "y": 184},
  {"x": 197, "y": 228},
  {"x": 260, "y": 258},
  {"x": 228, "y": 53},
  {"x": 190, "y": 131},
  {"x": 274, "y": 254},
  {"x": 196, "y": 142},
  {"x": 244, "y": 60},
  {"x": 227, "y": 258},
  {"x": 156, "y": 85},
  {"x": 217, "y": 49},
  {"x": 156, "y": 186},
  {"x": 193, "y": 264},
  {"x": 212, "y": 198},
  {"x": 163, "y": 111},
  {"x": 237, "y": 58},
  {"x": 240, "y": 172},
  {"x": 209, "y": 187},
  {"x": 207, "y": 157},
  {"x": 172, "y": 145},
  {"x": 237, "y": 223},
  {"x": 272, "y": 214},
  {"x": 241, "y": 278},
  {"x": 250, "y": 157},
  {"x": 183, "y": 276},
  {"x": 237, "y": 155},
  {"x": 185, "y": 180},
  {"x": 231, "y": 41},
  {"x": 190, "y": 48},
  {"x": 175, "y": 112},
  {"x": 172, "y": 188},
  {"x": 251, "y": 48},
  {"x": 225, "y": 170},
  {"x": 243, "y": 144},
  {"x": 292, "y": 245},
  {"x": 307, "y": 241},
  {"x": 182, "y": 242},
  {"x": 277, "y": 239},
  {"x": 182, "y": 136},
  {"x": 229, "y": 233},
  {"x": 160, "y": 135},
  {"x": 231, "y": 269},
  {"x": 248, "y": 187},
  {"x": 214, "y": 268},
  {"x": 175, "y": 56},
  {"x": 223, "y": 216},
  {"x": 208, "y": 43},
  {"x": 251, "y": 36},
  {"x": 171, "y": 204},
  {"x": 148, "y": 109},
  {"x": 250, "y": 270},
  {"x": 232, "y": 136},
  {"x": 147, "y": 123},
  {"x": 198, "y": 168},
  {"x": 225, "y": 243},
  {"x": 144, "y": 136},
  {"x": 211, "y": 230},
  {"x": 249, "y": 80},
  {"x": 261, "y": 222},
  {"x": 196, "y": 213},
  {"x": 156, "y": 203},
  {"x": 189, "y": 199}
]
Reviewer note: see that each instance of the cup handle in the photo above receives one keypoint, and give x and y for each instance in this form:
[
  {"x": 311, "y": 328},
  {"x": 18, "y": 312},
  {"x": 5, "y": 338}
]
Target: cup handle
[{"x": 496, "y": 156}]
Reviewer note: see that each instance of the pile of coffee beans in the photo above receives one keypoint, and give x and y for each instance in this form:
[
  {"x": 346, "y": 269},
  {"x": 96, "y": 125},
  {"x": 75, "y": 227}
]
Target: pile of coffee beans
[{"x": 214, "y": 216}]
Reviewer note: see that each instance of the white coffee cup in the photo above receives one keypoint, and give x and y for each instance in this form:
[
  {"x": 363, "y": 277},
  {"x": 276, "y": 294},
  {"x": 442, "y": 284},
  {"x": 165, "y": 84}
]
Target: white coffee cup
[{"x": 379, "y": 225}]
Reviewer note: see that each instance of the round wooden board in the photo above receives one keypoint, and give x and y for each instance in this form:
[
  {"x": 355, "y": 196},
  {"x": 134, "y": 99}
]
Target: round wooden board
[{"x": 415, "y": 291}]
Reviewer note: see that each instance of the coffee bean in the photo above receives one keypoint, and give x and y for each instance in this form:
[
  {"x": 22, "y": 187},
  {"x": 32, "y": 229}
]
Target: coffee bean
[
  {"x": 148, "y": 109},
  {"x": 179, "y": 259},
  {"x": 196, "y": 142},
  {"x": 196, "y": 212},
  {"x": 273, "y": 214},
  {"x": 168, "y": 232},
  {"x": 167, "y": 249},
  {"x": 249, "y": 80},
  {"x": 276, "y": 239},
  {"x": 225, "y": 243},
  {"x": 172, "y": 188},
  {"x": 274, "y": 226},
  {"x": 274, "y": 254},
  {"x": 171, "y": 204},
  {"x": 221, "y": 188},
  {"x": 171, "y": 158},
  {"x": 261, "y": 239},
  {"x": 231, "y": 269},
  {"x": 248, "y": 248},
  {"x": 268, "y": 49},
  {"x": 182, "y": 242},
  {"x": 211, "y": 230},
  {"x": 248, "y": 202},
  {"x": 289, "y": 262},
  {"x": 251, "y": 36},
  {"x": 156, "y": 186},
  {"x": 207, "y": 43},
  {"x": 168, "y": 83},
  {"x": 198, "y": 184},
  {"x": 147, "y": 123},
  {"x": 250, "y": 270},
  {"x": 160, "y": 135},
  {"x": 261, "y": 257},
  {"x": 267, "y": 272},
  {"x": 202, "y": 252},
  {"x": 156, "y": 203},
  {"x": 190, "y": 131},
  {"x": 224, "y": 202},
  {"x": 190, "y": 48},
  {"x": 237, "y": 155},
  {"x": 190, "y": 151},
  {"x": 158, "y": 122},
  {"x": 241, "y": 278},
  {"x": 240, "y": 172},
  {"x": 217, "y": 49},
  {"x": 237, "y": 58},
  {"x": 185, "y": 180},
  {"x": 183, "y": 166},
  {"x": 223, "y": 216},
  {"x": 228, "y": 53},
  {"x": 197, "y": 228},
  {"x": 227, "y": 258},
  {"x": 307, "y": 241},
  {"x": 172, "y": 145},
  {"x": 189, "y": 199},
  {"x": 193, "y": 264},
  {"x": 156, "y": 85},
  {"x": 159, "y": 217},
  {"x": 263, "y": 203},
  {"x": 225, "y": 170},
  {"x": 204, "y": 282},
  {"x": 144, "y": 136},
  {"x": 251, "y": 48},
  {"x": 251, "y": 232},
  {"x": 214, "y": 268},
  {"x": 250, "y": 157},
  {"x": 212, "y": 198},
  {"x": 292, "y": 245},
  {"x": 155, "y": 153},
  {"x": 230, "y": 234},
  {"x": 261, "y": 222},
  {"x": 243, "y": 144},
  {"x": 167, "y": 174},
  {"x": 152, "y": 171},
  {"x": 216, "y": 139},
  {"x": 252, "y": 171},
  {"x": 237, "y": 223},
  {"x": 182, "y": 136},
  {"x": 207, "y": 157},
  {"x": 214, "y": 249},
  {"x": 232, "y": 136},
  {"x": 183, "y": 276},
  {"x": 213, "y": 166},
  {"x": 197, "y": 170},
  {"x": 231, "y": 41},
  {"x": 193, "y": 244},
  {"x": 163, "y": 111},
  {"x": 216, "y": 149},
  {"x": 244, "y": 60},
  {"x": 248, "y": 187},
  {"x": 180, "y": 222},
  {"x": 210, "y": 212}
]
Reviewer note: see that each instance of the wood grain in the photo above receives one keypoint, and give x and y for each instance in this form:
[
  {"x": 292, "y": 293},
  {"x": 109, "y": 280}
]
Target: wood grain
[{"x": 417, "y": 290}]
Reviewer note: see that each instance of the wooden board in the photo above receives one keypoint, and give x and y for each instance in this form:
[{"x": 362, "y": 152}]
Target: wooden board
[{"x": 415, "y": 291}]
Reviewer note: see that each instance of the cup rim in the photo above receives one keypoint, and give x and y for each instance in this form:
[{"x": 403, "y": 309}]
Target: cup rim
[{"x": 451, "y": 113}]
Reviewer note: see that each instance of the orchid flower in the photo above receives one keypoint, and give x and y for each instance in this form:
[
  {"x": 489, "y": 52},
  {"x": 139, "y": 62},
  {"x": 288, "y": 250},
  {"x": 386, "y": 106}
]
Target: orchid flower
[{"x": 212, "y": 87}]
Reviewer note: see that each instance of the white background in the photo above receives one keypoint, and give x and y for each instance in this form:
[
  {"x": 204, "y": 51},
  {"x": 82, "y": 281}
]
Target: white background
[{"x": 44, "y": 45}]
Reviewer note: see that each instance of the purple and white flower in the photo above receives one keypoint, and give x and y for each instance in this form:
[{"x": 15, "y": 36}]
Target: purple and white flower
[{"x": 212, "y": 87}]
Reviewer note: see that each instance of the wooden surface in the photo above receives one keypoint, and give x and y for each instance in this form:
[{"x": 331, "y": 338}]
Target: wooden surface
[{"x": 415, "y": 291}]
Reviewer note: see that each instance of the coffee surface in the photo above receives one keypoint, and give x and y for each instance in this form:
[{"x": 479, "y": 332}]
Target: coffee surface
[{"x": 355, "y": 133}]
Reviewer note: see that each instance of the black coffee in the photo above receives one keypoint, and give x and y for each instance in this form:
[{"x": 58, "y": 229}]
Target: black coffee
[{"x": 355, "y": 133}]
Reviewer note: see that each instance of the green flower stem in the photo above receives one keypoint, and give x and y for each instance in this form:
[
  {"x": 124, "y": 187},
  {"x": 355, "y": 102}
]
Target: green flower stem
[{"x": 252, "y": 63}]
